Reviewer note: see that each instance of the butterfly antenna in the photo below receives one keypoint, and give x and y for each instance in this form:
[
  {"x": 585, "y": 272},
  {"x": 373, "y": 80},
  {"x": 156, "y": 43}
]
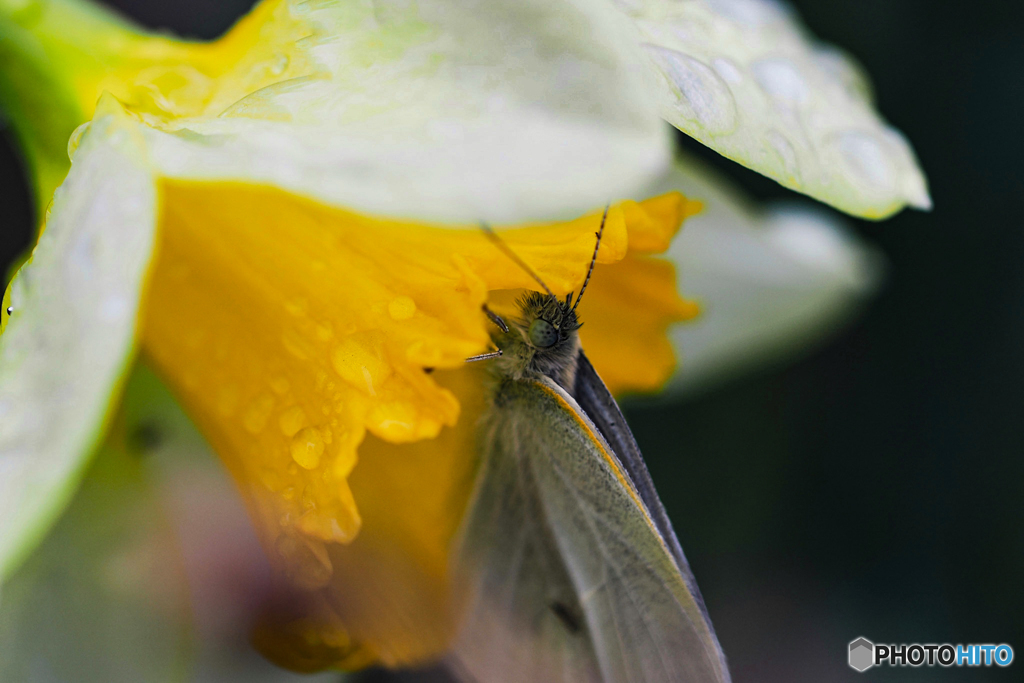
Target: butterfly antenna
[
  {"x": 593, "y": 259},
  {"x": 498, "y": 242}
]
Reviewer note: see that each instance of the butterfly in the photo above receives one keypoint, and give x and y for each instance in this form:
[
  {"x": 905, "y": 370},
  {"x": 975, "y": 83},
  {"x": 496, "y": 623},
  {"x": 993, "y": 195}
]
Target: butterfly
[{"x": 566, "y": 563}]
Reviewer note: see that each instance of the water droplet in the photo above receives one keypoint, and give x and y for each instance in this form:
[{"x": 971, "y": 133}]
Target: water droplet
[
  {"x": 271, "y": 478},
  {"x": 10, "y": 310},
  {"x": 279, "y": 64},
  {"x": 785, "y": 153},
  {"x": 781, "y": 80},
  {"x": 752, "y": 13},
  {"x": 394, "y": 420},
  {"x": 307, "y": 447},
  {"x": 295, "y": 344},
  {"x": 76, "y": 139},
  {"x": 296, "y": 307},
  {"x": 702, "y": 96},
  {"x": 727, "y": 69},
  {"x": 291, "y": 421},
  {"x": 360, "y": 366},
  {"x": 866, "y": 160},
  {"x": 402, "y": 308},
  {"x": 842, "y": 69},
  {"x": 256, "y": 416}
]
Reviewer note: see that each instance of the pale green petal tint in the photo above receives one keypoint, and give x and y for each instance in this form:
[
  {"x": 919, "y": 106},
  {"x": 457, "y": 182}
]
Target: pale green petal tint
[
  {"x": 103, "y": 599},
  {"x": 769, "y": 282},
  {"x": 460, "y": 111},
  {"x": 746, "y": 79},
  {"x": 71, "y": 336}
]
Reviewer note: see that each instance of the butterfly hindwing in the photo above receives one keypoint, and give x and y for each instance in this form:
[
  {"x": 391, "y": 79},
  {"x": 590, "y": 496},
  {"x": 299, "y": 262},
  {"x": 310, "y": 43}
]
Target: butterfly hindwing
[{"x": 566, "y": 576}]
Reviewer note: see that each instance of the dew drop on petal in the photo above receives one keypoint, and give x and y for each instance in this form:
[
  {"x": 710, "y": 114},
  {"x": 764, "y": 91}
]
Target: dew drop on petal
[
  {"x": 401, "y": 308},
  {"x": 280, "y": 63},
  {"x": 781, "y": 80},
  {"x": 76, "y": 139},
  {"x": 751, "y": 13},
  {"x": 727, "y": 69},
  {"x": 296, "y": 345},
  {"x": 785, "y": 153},
  {"x": 702, "y": 95},
  {"x": 256, "y": 416},
  {"x": 307, "y": 446},
  {"x": 866, "y": 160},
  {"x": 291, "y": 421},
  {"x": 360, "y": 365}
]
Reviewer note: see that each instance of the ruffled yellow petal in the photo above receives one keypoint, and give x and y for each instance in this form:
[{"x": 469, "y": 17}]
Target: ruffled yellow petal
[
  {"x": 298, "y": 334},
  {"x": 630, "y": 304},
  {"x": 626, "y": 314},
  {"x": 655, "y": 221},
  {"x": 290, "y": 329}
]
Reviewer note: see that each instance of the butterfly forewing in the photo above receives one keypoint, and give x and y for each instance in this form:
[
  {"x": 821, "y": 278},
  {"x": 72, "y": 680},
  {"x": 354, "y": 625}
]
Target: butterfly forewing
[
  {"x": 566, "y": 576},
  {"x": 600, "y": 406}
]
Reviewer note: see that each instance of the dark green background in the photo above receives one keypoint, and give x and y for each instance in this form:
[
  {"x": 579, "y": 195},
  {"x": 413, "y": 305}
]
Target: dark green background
[{"x": 875, "y": 487}]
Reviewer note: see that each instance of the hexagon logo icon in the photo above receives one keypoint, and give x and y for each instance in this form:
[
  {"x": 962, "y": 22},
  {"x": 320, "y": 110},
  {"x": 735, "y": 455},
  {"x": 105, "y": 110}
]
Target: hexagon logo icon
[{"x": 862, "y": 654}]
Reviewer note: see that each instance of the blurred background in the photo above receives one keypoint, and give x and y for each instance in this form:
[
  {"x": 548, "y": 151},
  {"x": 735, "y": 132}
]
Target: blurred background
[{"x": 875, "y": 487}]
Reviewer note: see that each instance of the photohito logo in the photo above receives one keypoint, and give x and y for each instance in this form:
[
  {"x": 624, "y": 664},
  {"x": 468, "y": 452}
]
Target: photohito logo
[{"x": 863, "y": 654}]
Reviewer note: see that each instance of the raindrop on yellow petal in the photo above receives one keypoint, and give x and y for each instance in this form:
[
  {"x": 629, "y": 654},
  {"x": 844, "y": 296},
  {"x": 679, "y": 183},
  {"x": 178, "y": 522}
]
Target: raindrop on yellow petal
[
  {"x": 360, "y": 365},
  {"x": 279, "y": 64},
  {"x": 256, "y": 417},
  {"x": 307, "y": 447},
  {"x": 291, "y": 421},
  {"x": 402, "y": 308}
]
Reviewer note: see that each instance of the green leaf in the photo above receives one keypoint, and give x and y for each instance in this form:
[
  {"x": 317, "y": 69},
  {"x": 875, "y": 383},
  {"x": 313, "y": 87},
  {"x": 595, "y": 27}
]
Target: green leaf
[
  {"x": 70, "y": 338},
  {"x": 745, "y": 78}
]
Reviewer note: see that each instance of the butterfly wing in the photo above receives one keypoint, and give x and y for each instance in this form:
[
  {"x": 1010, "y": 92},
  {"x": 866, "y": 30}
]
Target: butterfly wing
[
  {"x": 600, "y": 406},
  {"x": 566, "y": 576}
]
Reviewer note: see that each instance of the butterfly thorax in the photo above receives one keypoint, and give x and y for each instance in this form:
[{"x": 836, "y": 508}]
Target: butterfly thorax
[{"x": 543, "y": 341}]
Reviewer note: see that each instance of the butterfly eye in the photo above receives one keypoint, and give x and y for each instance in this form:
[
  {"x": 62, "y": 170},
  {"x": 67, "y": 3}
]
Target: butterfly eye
[{"x": 543, "y": 334}]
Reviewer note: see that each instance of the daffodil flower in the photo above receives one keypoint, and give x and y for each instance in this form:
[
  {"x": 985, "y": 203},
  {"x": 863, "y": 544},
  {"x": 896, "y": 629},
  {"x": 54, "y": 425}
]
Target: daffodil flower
[{"x": 283, "y": 223}]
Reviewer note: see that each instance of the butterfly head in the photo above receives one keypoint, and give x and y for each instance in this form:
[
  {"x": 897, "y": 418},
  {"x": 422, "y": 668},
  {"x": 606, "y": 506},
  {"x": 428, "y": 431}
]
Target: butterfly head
[{"x": 544, "y": 339}]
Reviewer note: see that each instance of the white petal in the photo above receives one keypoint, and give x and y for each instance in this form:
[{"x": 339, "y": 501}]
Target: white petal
[
  {"x": 746, "y": 79},
  {"x": 769, "y": 283},
  {"x": 503, "y": 110},
  {"x": 71, "y": 336}
]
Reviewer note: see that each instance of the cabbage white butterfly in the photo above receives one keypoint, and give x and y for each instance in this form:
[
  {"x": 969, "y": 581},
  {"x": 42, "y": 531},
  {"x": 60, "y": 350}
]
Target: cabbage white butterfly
[{"x": 566, "y": 562}]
